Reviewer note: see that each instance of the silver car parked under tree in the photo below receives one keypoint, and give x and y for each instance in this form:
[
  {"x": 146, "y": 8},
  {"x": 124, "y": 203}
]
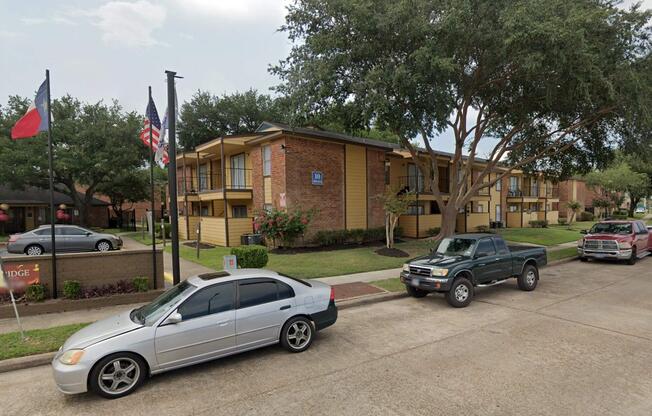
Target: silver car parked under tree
[
  {"x": 203, "y": 318},
  {"x": 68, "y": 238}
]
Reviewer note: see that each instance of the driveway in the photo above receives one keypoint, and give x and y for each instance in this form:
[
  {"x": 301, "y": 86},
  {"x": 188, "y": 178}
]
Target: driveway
[{"x": 581, "y": 344}]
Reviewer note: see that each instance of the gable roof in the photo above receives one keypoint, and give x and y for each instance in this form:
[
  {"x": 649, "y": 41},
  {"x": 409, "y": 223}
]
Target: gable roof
[
  {"x": 270, "y": 127},
  {"x": 32, "y": 195}
]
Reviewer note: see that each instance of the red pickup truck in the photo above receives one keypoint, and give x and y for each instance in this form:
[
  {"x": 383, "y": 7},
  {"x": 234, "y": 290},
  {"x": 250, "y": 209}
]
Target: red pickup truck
[{"x": 618, "y": 240}]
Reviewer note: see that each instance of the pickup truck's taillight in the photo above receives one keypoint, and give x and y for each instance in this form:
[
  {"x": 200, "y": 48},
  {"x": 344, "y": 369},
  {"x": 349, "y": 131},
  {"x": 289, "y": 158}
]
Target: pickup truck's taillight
[{"x": 332, "y": 294}]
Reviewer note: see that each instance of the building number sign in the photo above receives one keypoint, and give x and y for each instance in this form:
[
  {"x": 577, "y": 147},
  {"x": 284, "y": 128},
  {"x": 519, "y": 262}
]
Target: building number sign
[{"x": 317, "y": 177}]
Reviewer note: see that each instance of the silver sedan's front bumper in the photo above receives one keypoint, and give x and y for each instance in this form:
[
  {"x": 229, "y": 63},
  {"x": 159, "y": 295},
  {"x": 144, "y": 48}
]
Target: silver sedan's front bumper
[
  {"x": 70, "y": 379},
  {"x": 614, "y": 255}
]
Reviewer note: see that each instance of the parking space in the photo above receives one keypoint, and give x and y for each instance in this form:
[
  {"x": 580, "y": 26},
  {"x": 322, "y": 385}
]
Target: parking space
[{"x": 580, "y": 344}]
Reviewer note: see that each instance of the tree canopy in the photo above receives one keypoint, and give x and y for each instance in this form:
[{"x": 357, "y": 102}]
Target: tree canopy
[
  {"x": 549, "y": 84},
  {"x": 93, "y": 144}
]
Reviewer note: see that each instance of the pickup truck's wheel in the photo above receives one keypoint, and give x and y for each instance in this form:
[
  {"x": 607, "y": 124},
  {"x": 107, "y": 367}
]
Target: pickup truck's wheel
[
  {"x": 528, "y": 280},
  {"x": 415, "y": 292},
  {"x": 632, "y": 259},
  {"x": 460, "y": 294}
]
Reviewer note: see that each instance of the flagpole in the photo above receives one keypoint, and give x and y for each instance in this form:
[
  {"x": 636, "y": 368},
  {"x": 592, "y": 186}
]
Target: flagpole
[
  {"x": 151, "y": 182},
  {"x": 51, "y": 171},
  {"x": 172, "y": 177}
]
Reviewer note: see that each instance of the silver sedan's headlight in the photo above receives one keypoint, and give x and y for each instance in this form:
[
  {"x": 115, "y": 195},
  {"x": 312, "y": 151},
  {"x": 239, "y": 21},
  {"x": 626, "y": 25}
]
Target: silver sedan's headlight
[
  {"x": 439, "y": 272},
  {"x": 406, "y": 267},
  {"x": 71, "y": 357}
]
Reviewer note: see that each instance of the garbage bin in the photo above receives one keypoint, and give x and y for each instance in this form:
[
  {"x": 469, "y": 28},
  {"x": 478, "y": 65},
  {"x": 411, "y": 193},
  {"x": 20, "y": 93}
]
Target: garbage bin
[{"x": 251, "y": 239}]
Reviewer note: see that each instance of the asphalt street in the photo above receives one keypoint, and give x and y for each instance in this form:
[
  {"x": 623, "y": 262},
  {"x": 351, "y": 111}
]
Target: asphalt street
[{"x": 581, "y": 344}]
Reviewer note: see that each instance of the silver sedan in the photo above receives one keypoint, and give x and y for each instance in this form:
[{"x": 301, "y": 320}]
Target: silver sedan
[
  {"x": 68, "y": 238},
  {"x": 203, "y": 318}
]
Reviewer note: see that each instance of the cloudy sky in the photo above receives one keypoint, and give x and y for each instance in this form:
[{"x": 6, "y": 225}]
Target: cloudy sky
[{"x": 104, "y": 49}]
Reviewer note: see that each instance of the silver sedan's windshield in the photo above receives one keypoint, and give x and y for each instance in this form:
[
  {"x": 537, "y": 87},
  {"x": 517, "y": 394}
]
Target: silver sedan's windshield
[
  {"x": 150, "y": 313},
  {"x": 456, "y": 247}
]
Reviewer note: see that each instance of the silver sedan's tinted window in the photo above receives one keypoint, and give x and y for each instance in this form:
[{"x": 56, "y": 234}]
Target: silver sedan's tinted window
[
  {"x": 213, "y": 299},
  {"x": 257, "y": 292}
]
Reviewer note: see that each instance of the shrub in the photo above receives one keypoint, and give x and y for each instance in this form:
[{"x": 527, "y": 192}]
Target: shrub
[
  {"x": 586, "y": 216},
  {"x": 251, "y": 257},
  {"x": 483, "y": 229},
  {"x": 283, "y": 226},
  {"x": 539, "y": 224},
  {"x": 166, "y": 227},
  {"x": 354, "y": 236},
  {"x": 35, "y": 292},
  {"x": 72, "y": 289},
  {"x": 140, "y": 284},
  {"x": 619, "y": 215},
  {"x": 431, "y": 232},
  {"x": 562, "y": 221},
  {"x": 357, "y": 235}
]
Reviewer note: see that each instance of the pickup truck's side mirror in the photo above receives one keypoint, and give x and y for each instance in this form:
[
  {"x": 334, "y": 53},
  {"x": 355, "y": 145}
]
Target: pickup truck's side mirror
[{"x": 584, "y": 232}]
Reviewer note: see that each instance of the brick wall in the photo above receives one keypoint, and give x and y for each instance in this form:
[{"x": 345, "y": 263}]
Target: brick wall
[
  {"x": 565, "y": 194},
  {"x": 304, "y": 156},
  {"x": 279, "y": 171},
  {"x": 96, "y": 269},
  {"x": 375, "y": 187}
]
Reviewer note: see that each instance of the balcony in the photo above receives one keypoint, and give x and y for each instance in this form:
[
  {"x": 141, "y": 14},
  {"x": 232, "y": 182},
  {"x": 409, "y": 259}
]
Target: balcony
[
  {"x": 552, "y": 192},
  {"x": 526, "y": 192},
  {"x": 235, "y": 180},
  {"x": 417, "y": 184}
]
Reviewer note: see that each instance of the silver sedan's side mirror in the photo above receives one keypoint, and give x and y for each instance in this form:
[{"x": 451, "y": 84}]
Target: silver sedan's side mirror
[{"x": 174, "y": 318}]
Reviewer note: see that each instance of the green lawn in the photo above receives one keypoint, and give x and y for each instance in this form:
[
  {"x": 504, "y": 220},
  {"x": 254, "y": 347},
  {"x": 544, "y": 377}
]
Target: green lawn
[
  {"x": 554, "y": 234},
  {"x": 392, "y": 284},
  {"x": 36, "y": 341},
  {"x": 317, "y": 264},
  {"x": 3, "y": 238},
  {"x": 138, "y": 236},
  {"x": 564, "y": 253}
]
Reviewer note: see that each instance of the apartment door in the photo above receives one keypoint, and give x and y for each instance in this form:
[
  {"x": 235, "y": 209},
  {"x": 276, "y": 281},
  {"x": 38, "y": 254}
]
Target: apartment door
[
  {"x": 499, "y": 214},
  {"x": 238, "y": 171}
]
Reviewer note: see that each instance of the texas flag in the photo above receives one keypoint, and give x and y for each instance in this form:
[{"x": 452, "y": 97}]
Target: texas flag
[{"x": 35, "y": 119}]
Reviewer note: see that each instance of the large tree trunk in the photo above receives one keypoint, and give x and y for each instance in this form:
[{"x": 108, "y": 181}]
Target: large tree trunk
[{"x": 448, "y": 221}]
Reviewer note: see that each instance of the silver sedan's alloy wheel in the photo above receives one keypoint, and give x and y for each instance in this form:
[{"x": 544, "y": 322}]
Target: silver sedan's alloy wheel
[
  {"x": 530, "y": 278},
  {"x": 34, "y": 251},
  {"x": 118, "y": 376},
  {"x": 461, "y": 293},
  {"x": 299, "y": 334},
  {"x": 103, "y": 246}
]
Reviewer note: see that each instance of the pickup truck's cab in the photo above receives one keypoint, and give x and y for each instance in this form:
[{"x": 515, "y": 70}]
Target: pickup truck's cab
[
  {"x": 616, "y": 240},
  {"x": 465, "y": 261}
]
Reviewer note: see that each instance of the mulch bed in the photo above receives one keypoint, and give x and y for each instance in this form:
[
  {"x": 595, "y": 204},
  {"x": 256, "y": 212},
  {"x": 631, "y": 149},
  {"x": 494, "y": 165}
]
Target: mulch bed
[
  {"x": 202, "y": 246},
  {"x": 391, "y": 252},
  {"x": 314, "y": 249},
  {"x": 353, "y": 290}
]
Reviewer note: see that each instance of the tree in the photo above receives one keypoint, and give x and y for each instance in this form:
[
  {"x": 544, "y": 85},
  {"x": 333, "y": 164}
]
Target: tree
[
  {"x": 92, "y": 144},
  {"x": 126, "y": 187},
  {"x": 620, "y": 180},
  {"x": 574, "y": 207},
  {"x": 206, "y": 116},
  {"x": 395, "y": 204},
  {"x": 604, "y": 203},
  {"x": 538, "y": 83}
]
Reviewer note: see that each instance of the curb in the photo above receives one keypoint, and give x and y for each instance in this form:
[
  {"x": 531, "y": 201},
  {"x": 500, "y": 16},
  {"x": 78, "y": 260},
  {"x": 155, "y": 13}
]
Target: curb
[
  {"x": 369, "y": 299},
  {"x": 562, "y": 261},
  {"x": 29, "y": 361}
]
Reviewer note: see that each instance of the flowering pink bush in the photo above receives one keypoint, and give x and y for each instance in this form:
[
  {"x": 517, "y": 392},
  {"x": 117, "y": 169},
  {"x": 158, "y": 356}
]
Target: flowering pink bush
[{"x": 282, "y": 226}]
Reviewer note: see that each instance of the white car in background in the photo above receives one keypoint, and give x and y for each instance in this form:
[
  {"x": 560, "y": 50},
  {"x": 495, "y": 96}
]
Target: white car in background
[{"x": 203, "y": 318}]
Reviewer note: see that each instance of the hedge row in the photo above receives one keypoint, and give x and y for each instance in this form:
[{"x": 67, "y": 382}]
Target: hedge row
[{"x": 353, "y": 236}]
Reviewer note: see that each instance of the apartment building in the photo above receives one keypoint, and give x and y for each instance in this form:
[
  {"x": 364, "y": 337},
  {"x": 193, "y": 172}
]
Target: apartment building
[
  {"x": 223, "y": 183},
  {"x": 513, "y": 201},
  {"x": 576, "y": 189}
]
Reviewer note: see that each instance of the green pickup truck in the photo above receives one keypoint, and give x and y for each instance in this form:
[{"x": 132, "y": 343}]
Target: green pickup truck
[{"x": 463, "y": 262}]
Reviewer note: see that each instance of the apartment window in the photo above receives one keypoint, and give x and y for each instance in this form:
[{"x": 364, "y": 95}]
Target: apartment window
[
  {"x": 513, "y": 208},
  {"x": 513, "y": 183},
  {"x": 499, "y": 214},
  {"x": 478, "y": 208},
  {"x": 203, "y": 177},
  {"x": 415, "y": 209},
  {"x": 267, "y": 160},
  {"x": 499, "y": 185},
  {"x": 239, "y": 211}
]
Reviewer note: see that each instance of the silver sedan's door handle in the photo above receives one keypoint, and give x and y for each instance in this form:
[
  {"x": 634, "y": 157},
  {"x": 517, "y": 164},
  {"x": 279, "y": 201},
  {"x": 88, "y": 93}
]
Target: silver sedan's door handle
[{"x": 223, "y": 323}]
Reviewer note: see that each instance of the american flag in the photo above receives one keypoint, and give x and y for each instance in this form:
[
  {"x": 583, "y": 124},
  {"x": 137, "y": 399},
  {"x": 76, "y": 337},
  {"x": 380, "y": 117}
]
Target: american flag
[{"x": 151, "y": 122}]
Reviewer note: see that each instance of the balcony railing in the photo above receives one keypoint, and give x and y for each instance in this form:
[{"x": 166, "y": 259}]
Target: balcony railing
[
  {"x": 417, "y": 184},
  {"x": 523, "y": 192},
  {"x": 236, "y": 179}
]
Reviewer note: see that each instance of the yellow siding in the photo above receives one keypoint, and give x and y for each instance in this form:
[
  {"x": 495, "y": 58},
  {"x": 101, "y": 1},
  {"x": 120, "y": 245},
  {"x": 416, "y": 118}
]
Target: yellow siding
[
  {"x": 476, "y": 219},
  {"x": 237, "y": 227},
  {"x": 356, "y": 187},
  {"x": 182, "y": 228},
  {"x": 409, "y": 224},
  {"x": 514, "y": 219},
  {"x": 553, "y": 217},
  {"x": 213, "y": 231},
  {"x": 267, "y": 185}
]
